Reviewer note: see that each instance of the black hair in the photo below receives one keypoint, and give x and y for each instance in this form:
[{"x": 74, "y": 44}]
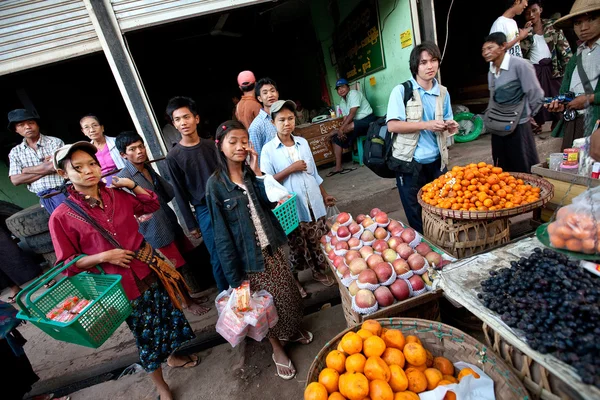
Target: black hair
[
  {"x": 534, "y": 2},
  {"x": 248, "y": 88},
  {"x": 94, "y": 116},
  {"x": 510, "y": 3},
  {"x": 497, "y": 37},
  {"x": 126, "y": 138},
  {"x": 415, "y": 55},
  {"x": 180, "y": 102},
  {"x": 222, "y": 131},
  {"x": 262, "y": 82},
  {"x": 61, "y": 163}
]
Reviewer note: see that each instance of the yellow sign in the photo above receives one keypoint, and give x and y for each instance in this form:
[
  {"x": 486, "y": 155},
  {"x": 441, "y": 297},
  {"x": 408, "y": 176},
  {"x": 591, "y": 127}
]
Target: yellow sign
[
  {"x": 406, "y": 39},
  {"x": 372, "y": 81}
]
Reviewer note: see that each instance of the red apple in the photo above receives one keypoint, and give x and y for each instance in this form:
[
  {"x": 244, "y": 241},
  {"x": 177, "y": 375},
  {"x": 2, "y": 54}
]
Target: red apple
[
  {"x": 324, "y": 240},
  {"x": 423, "y": 249},
  {"x": 365, "y": 251},
  {"x": 353, "y": 242},
  {"x": 367, "y": 236},
  {"x": 360, "y": 218},
  {"x": 416, "y": 261},
  {"x": 400, "y": 289},
  {"x": 404, "y": 251},
  {"x": 343, "y": 232},
  {"x": 343, "y": 217},
  {"x": 373, "y": 260},
  {"x": 374, "y": 212},
  {"x": 342, "y": 246},
  {"x": 394, "y": 225},
  {"x": 434, "y": 259},
  {"x": 354, "y": 228},
  {"x": 400, "y": 266},
  {"x": 353, "y": 288},
  {"x": 396, "y": 232},
  {"x": 351, "y": 255},
  {"x": 394, "y": 242},
  {"x": 389, "y": 255},
  {"x": 381, "y": 218},
  {"x": 368, "y": 276},
  {"x": 444, "y": 263},
  {"x": 328, "y": 247},
  {"x": 408, "y": 235},
  {"x": 343, "y": 269},
  {"x": 335, "y": 227},
  {"x": 416, "y": 282},
  {"x": 384, "y": 271},
  {"x": 334, "y": 241},
  {"x": 384, "y": 296},
  {"x": 357, "y": 266},
  {"x": 331, "y": 255},
  {"x": 365, "y": 298},
  {"x": 367, "y": 222},
  {"x": 338, "y": 261},
  {"x": 346, "y": 274},
  {"x": 380, "y": 233},
  {"x": 380, "y": 245}
]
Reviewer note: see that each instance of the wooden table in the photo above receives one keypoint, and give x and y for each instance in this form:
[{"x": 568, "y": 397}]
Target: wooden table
[{"x": 319, "y": 136}]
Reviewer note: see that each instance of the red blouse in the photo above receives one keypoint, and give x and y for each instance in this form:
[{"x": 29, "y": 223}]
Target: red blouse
[{"x": 72, "y": 236}]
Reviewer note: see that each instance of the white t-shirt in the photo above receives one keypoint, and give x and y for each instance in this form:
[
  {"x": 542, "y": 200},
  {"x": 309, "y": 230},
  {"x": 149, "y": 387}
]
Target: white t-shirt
[
  {"x": 539, "y": 49},
  {"x": 509, "y": 27}
]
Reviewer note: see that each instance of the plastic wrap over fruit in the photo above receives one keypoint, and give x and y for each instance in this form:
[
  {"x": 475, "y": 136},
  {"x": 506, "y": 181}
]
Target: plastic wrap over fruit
[{"x": 469, "y": 387}]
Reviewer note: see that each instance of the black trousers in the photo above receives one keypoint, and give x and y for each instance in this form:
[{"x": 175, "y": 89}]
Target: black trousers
[
  {"x": 409, "y": 185},
  {"x": 515, "y": 152}
]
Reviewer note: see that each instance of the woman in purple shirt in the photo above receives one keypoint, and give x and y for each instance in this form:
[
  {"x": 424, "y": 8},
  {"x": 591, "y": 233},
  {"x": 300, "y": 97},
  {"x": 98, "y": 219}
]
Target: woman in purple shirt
[{"x": 108, "y": 155}]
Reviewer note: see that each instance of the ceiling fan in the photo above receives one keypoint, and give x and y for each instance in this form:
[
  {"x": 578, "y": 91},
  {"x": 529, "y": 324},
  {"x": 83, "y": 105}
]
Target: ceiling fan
[{"x": 218, "y": 29}]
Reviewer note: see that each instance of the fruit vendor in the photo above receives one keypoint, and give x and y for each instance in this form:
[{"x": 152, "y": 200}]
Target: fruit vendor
[
  {"x": 358, "y": 114},
  {"x": 250, "y": 239},
  {"x": 419, "y": 151},
  {"x": 581, "y": 74},
  {"x": 289, "y": 159},
  {"x": 100, "y": 223},
  {"x": 161, "y": 229}
]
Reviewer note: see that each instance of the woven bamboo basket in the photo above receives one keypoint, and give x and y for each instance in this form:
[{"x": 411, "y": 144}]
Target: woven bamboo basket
[
  {"x": 464, "y": 238},
  {"x": 446, "y": 341},
  {"x": 546, "y": 194}
]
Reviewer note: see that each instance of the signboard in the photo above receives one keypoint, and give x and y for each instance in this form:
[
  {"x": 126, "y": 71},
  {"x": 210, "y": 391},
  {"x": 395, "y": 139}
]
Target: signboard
[
  {"x": 406, "y": 39},
  {"x": 357, "y": 42}
]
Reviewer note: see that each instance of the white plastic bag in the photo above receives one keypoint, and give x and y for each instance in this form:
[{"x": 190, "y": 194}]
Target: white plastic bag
[
  {"x": 332, "y": 213},
  {"x": 469, "y": 388},
  {"x": 275, "y": 191}
]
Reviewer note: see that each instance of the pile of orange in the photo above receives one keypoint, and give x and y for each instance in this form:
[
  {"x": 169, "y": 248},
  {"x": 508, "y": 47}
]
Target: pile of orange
[
  {"x": 574, "y": 231},
  {"x": 382, "y": 364},
  {"x": 478, "y": 187}
]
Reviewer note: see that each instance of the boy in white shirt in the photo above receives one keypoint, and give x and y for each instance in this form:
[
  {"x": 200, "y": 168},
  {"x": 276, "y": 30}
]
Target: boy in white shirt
[{"x": 507, "y": 25}]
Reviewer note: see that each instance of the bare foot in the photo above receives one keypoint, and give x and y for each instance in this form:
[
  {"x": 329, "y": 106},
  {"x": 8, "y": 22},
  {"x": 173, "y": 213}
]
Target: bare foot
[
  {"x": 165, "y": 394},
  {"x": 189, "y": 361},
  {"x": 197, "y": 309}
]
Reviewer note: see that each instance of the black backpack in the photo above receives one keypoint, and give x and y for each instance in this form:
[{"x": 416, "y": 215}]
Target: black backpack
[{"x": 378, "y": 144}]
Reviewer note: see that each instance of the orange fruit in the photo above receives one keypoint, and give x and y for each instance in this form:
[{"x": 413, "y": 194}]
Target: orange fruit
[
  {"x": 354, "y": 386},
  {"x": 336, "y": 396},
  {"x": 376, "y": 368},
  {"x": 373, "y": 346},
  {"x": 340, "y": 349},
  {"x": 329, "y": 378},
  {"x": 450, "y": 378},
  {"x": 444, "y": 365},
  {"x": 417, "y": 382},
  {"x": 393, "y": 356},
  {"x": 481, "y": 165},
  {"x": 398, "y": 380},
  {"x": 356, "y": 363},
  {"x": 315, "y": 391},
  {"x": 467, "y": 371},
  {"x": 336, "y": 360},
  {"x": 394, "y": 338},
  {"x": 373, "y": 326},
  {"x": 429, "y": 361},
  {"x": 450, "y": 395},
  {"x": 413, "y": 339},
  {"x": 406, "y": 395},
  {"x": 380, "y": 390},
  {"x": 363, "y": 333},
  {"x": 352, "y": 343},
  {"x": 421, "y": 368},
  {"x": 444, "y": 382},
  {"x": 434, "y": 376},
  {"x": 415, "y": 354}
]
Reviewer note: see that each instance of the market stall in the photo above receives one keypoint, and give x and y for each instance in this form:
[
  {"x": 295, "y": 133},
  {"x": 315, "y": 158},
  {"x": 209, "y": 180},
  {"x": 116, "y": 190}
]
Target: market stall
[{"x": 318, "y": 135}]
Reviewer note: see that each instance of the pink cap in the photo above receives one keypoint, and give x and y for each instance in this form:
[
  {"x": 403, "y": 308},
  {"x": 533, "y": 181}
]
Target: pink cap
[{"x": 246, "y": 78}]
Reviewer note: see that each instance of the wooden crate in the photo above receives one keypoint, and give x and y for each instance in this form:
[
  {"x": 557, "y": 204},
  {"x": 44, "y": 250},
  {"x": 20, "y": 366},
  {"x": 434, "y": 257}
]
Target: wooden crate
[{"x": 319, "y": 136}]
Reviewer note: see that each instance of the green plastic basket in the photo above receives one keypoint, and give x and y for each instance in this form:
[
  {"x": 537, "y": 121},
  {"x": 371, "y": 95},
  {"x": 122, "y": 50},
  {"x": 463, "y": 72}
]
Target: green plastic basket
[
  {"x": 287, "y": 214},
  {"x": 108, "y": 309}
]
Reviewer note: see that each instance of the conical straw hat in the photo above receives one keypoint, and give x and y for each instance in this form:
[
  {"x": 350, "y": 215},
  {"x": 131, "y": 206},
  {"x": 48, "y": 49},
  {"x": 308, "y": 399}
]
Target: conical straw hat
[{"x": 580, "y": 7}]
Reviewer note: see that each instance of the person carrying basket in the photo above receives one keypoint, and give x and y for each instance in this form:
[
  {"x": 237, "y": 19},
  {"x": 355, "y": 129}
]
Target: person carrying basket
[{"x": 100, "y": 222}]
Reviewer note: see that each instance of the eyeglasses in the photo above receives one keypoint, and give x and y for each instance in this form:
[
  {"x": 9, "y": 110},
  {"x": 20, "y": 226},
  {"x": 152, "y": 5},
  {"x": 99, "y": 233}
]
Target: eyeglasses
[{"x": 89, "y": 127}]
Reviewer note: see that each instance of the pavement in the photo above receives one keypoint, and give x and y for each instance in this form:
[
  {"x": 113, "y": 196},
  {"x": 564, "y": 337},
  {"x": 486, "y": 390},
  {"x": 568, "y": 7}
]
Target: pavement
[{"x": 227, "y": 373}]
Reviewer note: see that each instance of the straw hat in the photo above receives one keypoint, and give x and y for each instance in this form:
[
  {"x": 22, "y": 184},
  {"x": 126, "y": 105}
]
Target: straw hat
[{"x": 579, "y": 8}]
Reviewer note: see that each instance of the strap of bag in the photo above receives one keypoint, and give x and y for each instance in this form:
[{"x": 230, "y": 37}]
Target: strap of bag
[
  {"x": 83, "y": 214},
  {"x": 408, "y": 91},
  {"x": 585, "y": 81}
]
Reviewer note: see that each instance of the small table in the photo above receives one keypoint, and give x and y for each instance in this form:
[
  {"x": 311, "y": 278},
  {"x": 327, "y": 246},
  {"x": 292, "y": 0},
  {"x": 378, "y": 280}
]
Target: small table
[{"x": 319, "y": 135}]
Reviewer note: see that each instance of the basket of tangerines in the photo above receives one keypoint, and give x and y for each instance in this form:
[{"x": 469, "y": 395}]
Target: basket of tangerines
[
  {"x": 409, "y": 359},
  {"x": 482, "y": 191}
]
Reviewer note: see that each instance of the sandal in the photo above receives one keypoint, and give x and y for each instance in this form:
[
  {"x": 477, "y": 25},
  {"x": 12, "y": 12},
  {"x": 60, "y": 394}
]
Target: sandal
[
  {"x": 333, "y": 172},
  {"x": 303, "y": 293},
  {"x": 198, "y": 313},
  {"x": 346, "y": 170},
  {"x": 289, "y": 366},
  {"x": 189, "y": 364},
  {"x": 304, "y": 339},
  {"x": 326, "y": 280}
]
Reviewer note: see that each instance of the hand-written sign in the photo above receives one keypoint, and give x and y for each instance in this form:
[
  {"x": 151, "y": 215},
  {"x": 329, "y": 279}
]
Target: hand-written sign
[
  {"x": 333, "y": 125},
  {"x": 357, "y": 42},
  {"x": 406, "y": 39},
  {"x": 321, "y": 147}
]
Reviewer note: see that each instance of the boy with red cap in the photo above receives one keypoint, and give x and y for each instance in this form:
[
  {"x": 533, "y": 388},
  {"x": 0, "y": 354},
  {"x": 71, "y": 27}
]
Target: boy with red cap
[{"x": 248, "y": 107}]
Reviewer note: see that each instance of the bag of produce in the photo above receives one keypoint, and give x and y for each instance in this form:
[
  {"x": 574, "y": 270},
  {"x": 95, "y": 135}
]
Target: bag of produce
[{"x": 469, "y": 387}]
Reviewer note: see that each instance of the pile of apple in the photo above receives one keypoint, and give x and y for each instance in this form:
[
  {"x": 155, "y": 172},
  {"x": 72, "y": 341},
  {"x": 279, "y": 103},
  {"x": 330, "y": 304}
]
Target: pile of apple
[{"x": 379, "y": 260}]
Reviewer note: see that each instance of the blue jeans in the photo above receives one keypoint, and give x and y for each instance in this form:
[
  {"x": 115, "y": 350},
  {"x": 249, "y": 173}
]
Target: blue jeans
[{"x": 209, "y": 241}]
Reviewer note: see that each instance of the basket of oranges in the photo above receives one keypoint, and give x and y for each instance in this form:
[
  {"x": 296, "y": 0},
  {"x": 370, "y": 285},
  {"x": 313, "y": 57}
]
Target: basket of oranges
[
  {"x": 484, "y": 192},
  {"x": 400, "y": 358}
]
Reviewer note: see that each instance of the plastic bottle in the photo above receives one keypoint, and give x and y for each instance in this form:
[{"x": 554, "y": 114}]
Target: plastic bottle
[{"x": 332, "y": 113}]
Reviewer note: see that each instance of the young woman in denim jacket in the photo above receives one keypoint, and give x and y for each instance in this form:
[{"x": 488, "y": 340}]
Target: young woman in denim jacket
[{"x": 250, "y": 240}]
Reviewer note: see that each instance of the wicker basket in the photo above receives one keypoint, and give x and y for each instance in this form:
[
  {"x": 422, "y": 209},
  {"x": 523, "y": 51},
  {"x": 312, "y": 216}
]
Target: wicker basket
[
  {"x": 442, "y": 340},
  {"x": 546, "y": 194},
  {"x": 464, "y": 238}
]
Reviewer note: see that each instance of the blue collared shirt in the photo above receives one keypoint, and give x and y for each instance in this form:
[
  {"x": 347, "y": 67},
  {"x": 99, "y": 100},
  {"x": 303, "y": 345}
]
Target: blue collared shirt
[
  {"x": 275, "y": 158},
  {"x": 427, "y": 150},
  {"x": 261, "y": 131}
]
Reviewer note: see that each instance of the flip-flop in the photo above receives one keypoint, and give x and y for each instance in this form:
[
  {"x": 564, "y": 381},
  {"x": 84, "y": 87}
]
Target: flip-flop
[
  {"x": 327, "y": 280},
  {"x": 346, "y": 170},
  {"x": 289, "y": 366},
  {"x": 198, "y": 313},
  {"x": 303, "y": 293},
  {"x": 190, "y": 364},
  {"x": 303, "y": 339},
  {"x": 332, "y": 173}
]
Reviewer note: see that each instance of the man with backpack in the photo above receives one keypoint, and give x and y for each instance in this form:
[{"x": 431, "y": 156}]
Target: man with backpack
[{"x": 419, "y": 116}]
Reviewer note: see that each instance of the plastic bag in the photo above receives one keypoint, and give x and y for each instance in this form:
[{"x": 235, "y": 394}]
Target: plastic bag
[
  {"x": 469, "y": 388},
  {"x": 577, "y": 226},
  {"x": 332, "y": 213},
  {"x": 275, "y": 191},
  {"x": 231, "y": 324}
]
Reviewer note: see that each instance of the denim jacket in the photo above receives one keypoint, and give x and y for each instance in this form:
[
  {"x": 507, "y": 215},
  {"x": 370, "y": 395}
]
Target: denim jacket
[{"x": 236, "y": 239}]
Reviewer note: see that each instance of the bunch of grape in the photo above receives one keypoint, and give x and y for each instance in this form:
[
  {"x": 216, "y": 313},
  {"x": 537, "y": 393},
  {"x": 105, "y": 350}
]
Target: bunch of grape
[{"x": 555, "y": 303}]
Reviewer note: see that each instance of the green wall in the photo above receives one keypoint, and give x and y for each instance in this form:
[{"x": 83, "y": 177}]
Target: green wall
[
  {"x": 18, "y": 195},
  {"x": 396, "y": 58}
]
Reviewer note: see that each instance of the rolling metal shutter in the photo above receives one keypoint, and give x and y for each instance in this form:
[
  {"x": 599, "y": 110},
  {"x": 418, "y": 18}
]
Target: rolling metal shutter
[{"x": 38, "y": 32}]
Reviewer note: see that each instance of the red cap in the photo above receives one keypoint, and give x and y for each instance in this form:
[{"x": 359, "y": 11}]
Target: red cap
[{"x": 246, "y": 78}]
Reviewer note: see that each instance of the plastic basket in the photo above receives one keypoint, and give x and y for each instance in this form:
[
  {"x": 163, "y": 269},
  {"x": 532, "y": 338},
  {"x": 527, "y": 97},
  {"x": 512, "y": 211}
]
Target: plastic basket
[
  {"x": 108, "y": 308},
  {"x": 287, "y": 214}
]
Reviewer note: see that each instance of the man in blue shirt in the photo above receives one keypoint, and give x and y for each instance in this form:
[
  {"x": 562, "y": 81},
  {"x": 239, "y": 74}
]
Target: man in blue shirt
[
  {"x": 419, "y": 151},
  {"x": 262, "y": 130}
]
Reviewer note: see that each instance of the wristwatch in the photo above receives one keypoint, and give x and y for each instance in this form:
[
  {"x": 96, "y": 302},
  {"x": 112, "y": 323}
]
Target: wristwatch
[{"x": 134, "y": 186}]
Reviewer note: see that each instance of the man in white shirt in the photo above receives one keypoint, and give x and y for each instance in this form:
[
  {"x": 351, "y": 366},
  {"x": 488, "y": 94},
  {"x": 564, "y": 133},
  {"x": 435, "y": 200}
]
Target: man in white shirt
[
  {"x": 507, "y": 25},
  {"x": 358, "y": 114}
]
